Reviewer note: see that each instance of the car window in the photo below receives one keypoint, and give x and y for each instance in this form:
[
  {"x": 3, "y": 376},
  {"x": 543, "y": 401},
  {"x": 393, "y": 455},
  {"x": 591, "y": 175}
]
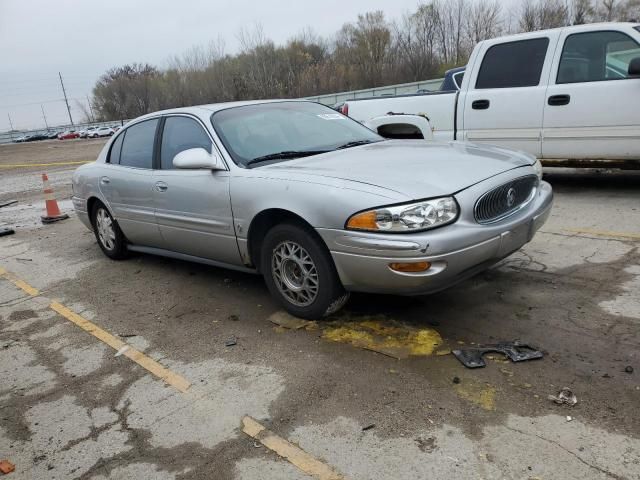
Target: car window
[
  {"x": 596, "y": 56},
  {"x": 116, "y": 147},
  {"x": 513, "y": 64},
  {"x": 457, "y": 79},
  {"x": 179, "y": 134},
  {"x": 137, "y": 147},
  {"x": 253, "y": 131}
]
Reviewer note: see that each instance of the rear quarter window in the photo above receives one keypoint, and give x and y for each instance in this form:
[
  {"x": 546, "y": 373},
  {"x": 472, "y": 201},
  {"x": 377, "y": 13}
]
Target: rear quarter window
[
  {"x": 116, "y": 148},
  {"x": 137, "y": 146}
]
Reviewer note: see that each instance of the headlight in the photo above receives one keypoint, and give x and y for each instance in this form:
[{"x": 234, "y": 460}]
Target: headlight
[
  {"x": 412, "y": 217},
  {"x": 538, "y": 168}
]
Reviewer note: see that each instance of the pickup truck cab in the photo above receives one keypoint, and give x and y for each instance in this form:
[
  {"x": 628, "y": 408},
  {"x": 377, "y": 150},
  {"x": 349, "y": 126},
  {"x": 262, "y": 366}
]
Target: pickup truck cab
[{"x": 570, "y": 93}]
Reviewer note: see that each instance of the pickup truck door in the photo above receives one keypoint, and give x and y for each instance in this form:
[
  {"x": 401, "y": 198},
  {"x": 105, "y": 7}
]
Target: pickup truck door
[
  {"x": 592, "y": 109},
  {"x": 504, "y": 94}
]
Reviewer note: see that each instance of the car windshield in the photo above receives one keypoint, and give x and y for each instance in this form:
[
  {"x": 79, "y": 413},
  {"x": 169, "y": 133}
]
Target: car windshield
[{"x": 294, "y": 129}]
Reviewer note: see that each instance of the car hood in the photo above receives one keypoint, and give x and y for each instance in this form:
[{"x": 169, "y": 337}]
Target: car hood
[{"x": 415, "y": 169}]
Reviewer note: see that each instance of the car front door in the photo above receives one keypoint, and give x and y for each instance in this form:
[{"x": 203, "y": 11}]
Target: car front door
[
  {"x": 193, "y": 207},
  {"x": 592, "y": 109},
  {"x": 504, "y": 101},
  {"x": 126, "y": 181}
]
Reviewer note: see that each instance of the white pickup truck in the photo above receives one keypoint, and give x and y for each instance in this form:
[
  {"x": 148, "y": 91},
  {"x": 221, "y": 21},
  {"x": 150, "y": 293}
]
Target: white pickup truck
[{"x": 567, "y": 95}]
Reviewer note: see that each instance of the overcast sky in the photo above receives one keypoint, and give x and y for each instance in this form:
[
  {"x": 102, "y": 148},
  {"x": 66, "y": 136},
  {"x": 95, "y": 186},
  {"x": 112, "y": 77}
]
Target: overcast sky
[{"x": 82, "y": 39}]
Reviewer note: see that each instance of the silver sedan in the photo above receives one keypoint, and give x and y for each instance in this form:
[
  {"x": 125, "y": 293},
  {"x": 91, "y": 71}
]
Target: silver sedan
[{"x": 318, "y": 204}]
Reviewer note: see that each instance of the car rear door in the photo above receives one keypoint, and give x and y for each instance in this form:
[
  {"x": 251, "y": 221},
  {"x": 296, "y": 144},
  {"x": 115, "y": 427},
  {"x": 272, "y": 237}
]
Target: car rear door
[
  {"x": 126, "y": 182},
  {"x": 592, "y": 109},
  {"x": 193, "y": 207},
  {"x": 503, "y": 104}
]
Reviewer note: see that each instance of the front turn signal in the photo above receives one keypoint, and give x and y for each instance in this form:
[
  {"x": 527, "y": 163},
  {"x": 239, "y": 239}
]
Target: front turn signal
[{"x": 363, "y": 221}]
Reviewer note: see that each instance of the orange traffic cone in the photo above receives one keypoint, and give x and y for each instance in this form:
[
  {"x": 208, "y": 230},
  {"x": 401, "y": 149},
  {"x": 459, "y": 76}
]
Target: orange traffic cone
[{"x": 53, "y": 212}]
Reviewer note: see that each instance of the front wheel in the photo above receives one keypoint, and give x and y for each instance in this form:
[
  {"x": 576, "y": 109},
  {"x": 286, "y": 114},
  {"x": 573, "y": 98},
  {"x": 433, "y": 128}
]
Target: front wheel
[{"x": 300, "y": 273}]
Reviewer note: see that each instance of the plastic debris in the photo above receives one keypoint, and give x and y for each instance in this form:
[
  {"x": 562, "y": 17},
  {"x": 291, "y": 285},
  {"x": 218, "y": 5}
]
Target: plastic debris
[
  {"x": 569, "y": 418},
  {"x": 368, "y": 427},
  {"x": 6, "y": 467},
  {"x": 516, "y": 352},
  {"x": 564, "y": 397},
  {"x": 6, "y": 231},
  {"x": 231, "y": 342},
  {"x": 121, "y": 351}
]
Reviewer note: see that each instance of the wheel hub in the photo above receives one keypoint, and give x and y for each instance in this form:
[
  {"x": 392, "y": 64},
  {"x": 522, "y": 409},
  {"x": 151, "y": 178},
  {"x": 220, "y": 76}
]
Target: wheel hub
[{"x": 295, "y": 273}]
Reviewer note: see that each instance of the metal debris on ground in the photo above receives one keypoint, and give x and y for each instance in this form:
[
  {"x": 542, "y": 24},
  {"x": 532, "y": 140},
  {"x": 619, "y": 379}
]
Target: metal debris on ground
[
  {"x": 6, "y": 467},
  {"x": 516, "y": 352},
  {"x": 231, "y": 342},
  {"x": 6, "y": 231},
  {"x": 564, "y": 397},
  {"x": 6, "y": 204}
]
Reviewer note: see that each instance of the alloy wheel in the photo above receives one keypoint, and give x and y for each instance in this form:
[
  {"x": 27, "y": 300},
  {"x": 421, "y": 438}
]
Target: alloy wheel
[{"x": 295, "y": 273}]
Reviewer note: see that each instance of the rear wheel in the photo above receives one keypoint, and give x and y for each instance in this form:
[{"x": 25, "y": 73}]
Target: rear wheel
[
  {"x": 300, "y": 273},
  {"x": 108, "y": 234}
]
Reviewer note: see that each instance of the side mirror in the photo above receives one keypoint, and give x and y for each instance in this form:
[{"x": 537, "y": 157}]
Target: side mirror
[
  {"x": 634, "y": 67},
  {"x": 196, "y": 158}
]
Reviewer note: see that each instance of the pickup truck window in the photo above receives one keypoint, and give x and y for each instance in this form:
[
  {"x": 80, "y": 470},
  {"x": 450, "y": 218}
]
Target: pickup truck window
[
  {"x": 513, "y": 64},
  {"x": 596, "y": 56}
]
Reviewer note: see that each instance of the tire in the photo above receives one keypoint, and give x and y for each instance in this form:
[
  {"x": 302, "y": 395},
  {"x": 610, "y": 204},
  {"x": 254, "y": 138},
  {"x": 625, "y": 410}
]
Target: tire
[
  {"x": 110, "y": 238},
  {"x": 300, "y": 272}
]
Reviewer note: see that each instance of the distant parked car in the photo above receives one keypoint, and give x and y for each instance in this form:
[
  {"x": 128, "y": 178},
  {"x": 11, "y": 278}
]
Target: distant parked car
[
  {"x": 51, "y": 134},
  {"x": 101, "y": 132},
  {"x": 68, "y": 135},
  {"x": 38, "y": 136},
  {"x": 22, "y": 138},
  {"x": 87, "y": 131}
]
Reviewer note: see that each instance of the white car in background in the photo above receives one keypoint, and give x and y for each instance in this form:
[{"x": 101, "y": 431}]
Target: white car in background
[{"x": 101, "y": 132}]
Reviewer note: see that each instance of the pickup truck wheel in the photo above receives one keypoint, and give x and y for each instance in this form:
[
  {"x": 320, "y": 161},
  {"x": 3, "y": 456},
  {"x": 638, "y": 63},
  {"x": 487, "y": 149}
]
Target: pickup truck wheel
[
  {"x": 108, "y": 234},
  {"x": 300, "y": 273}
]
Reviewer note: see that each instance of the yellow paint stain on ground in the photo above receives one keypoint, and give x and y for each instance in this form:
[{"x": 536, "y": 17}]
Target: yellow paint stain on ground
[
  {"x": 480, "y": 394},
  {"x": 385, "y": 336}
]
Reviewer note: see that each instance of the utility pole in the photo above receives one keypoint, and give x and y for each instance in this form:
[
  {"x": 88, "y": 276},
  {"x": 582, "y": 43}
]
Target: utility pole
[
  {"x": 93, "y": 117},
  {"x": 44, "y": 116},
  {"x": 65, "y": 98},
  {"x": 11, "y": 124}
]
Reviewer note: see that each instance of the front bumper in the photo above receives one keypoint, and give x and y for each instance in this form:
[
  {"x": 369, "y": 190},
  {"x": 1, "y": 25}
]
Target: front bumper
[{"x": 456, "y": 252}]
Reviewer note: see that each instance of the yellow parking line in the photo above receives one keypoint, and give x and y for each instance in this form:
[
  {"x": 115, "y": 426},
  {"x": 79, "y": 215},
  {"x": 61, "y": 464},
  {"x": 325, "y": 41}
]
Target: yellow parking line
[
  {"x": 177, "y": 381},
  {"x": 23, "y": 165},
  {"x": 292, "y": 453},
  {"x": 606, "y": 233},
  {"x": 24, "y": 286}
]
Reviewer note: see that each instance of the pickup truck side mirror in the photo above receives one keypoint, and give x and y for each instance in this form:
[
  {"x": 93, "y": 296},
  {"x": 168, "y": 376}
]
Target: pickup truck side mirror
[{"x": 634, "y": 67}]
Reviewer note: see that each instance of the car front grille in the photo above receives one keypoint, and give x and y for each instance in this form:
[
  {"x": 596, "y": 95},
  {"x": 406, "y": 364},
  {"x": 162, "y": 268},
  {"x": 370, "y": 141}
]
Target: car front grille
[{"x": 506, "y": 199}]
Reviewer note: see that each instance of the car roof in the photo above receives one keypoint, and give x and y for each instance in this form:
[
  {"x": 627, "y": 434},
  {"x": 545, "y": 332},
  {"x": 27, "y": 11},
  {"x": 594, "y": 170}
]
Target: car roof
[{"x": 215, "y": 107}]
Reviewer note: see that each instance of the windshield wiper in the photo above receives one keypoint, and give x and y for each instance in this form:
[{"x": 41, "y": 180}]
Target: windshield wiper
[
  {"x": 354, "y": 144},
  {"x": 287, "y": 154}
]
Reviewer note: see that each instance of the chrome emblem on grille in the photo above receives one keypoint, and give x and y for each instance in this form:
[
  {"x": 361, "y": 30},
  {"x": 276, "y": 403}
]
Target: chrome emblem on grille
[{"x": 511, "y": 197}]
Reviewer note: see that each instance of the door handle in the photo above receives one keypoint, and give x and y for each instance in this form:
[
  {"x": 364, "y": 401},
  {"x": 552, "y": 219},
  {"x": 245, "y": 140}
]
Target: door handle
[
  {"x": 480, "y": 104},
  {"x": 161, "y": 186},
  {"x": 105, "y": 180},
  {"x": 558, "y": 100}
]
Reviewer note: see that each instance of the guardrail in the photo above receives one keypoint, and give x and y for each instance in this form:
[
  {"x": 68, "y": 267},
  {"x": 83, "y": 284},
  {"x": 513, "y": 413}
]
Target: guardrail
[{"x": 402, "y": 88}]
